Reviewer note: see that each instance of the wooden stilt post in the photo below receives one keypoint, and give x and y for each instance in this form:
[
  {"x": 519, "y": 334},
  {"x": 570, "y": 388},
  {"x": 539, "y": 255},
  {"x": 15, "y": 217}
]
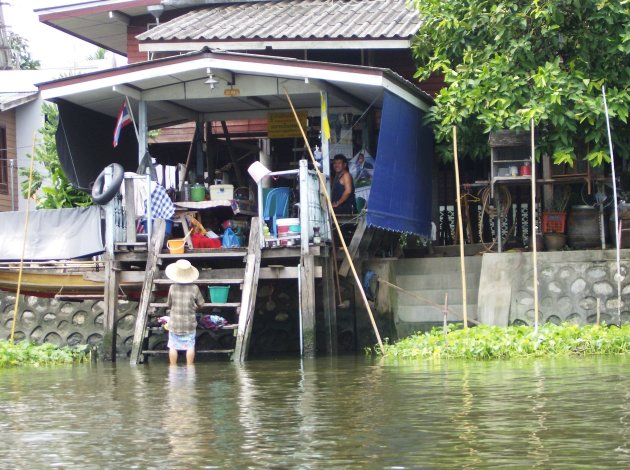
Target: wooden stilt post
[
  {"x": 330, "y": 312},
  {"x": 110, "y": 291},
  {"x": 533, "y": 216},
  {"x": 111, "y": 308}
]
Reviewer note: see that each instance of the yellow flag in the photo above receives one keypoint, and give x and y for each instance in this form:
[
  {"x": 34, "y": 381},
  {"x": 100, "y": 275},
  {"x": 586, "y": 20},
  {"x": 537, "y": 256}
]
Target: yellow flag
[{"x": 325, "y": 125}]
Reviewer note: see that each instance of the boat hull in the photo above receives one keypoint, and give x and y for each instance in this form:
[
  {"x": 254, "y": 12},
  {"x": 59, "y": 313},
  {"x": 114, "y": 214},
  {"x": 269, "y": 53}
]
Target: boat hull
[{"x": 79, "y": 283}]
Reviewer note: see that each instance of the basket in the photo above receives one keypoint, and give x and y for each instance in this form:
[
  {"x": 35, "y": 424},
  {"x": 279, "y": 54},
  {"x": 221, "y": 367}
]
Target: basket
[
  {"x": 176, "y": 245},
  {"x": 218, "y": 294},
  {"x": 554, "y": 222}
]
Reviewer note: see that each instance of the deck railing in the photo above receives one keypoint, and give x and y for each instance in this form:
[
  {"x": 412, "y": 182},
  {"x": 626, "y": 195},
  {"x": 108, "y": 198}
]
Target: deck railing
[{"x": 312, "y": 209}]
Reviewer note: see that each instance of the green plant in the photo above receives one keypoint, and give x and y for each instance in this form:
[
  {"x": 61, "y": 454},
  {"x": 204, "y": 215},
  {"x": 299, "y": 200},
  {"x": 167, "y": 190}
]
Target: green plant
[
  {"x": 29, "y": 353},
  {"x": 507, "y": 62},
  {"x": 493, "y": 342},
  {"x": 21, "y": 54},
  {"x": 51, "y": 187}
]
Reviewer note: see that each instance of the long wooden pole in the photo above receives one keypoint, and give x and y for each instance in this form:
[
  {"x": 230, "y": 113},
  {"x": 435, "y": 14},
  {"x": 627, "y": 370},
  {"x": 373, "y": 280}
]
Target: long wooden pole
[
  {"x": 19, "y": 282},
  {"x": 460, "y": 228},
  {"x": 322, "y": 184},
  {"x": 533, "y": 235}
]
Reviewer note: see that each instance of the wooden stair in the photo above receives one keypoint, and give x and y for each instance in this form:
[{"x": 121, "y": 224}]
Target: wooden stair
[{"x": 246, "y": 278}]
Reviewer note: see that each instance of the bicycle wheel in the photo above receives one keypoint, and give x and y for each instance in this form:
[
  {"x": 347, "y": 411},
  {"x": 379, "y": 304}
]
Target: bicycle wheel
[{"x": 601, "y": 194}]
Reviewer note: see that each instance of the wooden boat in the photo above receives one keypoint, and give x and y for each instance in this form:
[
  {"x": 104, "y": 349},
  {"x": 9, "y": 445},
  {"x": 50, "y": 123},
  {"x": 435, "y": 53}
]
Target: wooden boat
[{"x": 72, "y": 280}]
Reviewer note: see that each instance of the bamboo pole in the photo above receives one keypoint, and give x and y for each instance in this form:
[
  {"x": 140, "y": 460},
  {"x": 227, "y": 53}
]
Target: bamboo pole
[
  {"x": 460, "y": 229},
  {"x": 533, "y": 235},
  {"x": 616, "y": 207},
  {"x": 334, "y": 217},
  {"x": 19, "y": 282}
]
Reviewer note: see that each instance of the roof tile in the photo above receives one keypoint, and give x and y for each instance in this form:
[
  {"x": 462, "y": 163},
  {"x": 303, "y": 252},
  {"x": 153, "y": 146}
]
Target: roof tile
[{"x": 293, "y": 20}]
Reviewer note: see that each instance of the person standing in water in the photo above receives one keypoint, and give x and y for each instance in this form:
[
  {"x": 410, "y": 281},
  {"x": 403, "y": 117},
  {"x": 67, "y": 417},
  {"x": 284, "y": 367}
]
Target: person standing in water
[
  {"x": 343, "y": 199},
  {"x": 184, "y": 299}
]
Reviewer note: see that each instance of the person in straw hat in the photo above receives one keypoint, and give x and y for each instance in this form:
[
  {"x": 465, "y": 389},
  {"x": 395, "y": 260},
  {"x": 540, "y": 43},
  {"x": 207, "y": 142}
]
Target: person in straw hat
[{"x": 184, "y": 299}]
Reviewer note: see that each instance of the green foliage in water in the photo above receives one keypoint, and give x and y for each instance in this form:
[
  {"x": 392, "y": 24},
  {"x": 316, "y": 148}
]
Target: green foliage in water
[
  {"x": 27, "y": 353},
  {"x": 494, "y": 342}
]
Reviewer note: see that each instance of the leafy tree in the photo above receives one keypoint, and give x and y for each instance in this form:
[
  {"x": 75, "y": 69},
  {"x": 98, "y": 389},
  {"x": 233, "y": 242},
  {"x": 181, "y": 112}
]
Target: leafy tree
[
  {"x": 52, "y": 189},
  {"x": 21, "y": 54},
  {"x": 507, "y": 61},
  {"x": 99, "y": 54}
]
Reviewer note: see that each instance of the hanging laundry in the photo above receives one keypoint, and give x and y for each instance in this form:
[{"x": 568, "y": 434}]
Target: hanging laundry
[{"x": 161, "y": 205}]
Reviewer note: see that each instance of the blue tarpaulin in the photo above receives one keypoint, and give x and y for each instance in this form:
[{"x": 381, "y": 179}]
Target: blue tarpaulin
[{"x": 400, "y": 197}]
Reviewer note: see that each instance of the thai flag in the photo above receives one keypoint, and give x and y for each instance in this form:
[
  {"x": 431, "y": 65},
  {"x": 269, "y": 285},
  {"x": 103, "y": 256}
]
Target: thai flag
[{"x": 124, "y": 118}]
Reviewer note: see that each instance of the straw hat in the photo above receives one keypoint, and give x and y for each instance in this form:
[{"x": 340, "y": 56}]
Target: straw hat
[{"x": 182, "y": 271}]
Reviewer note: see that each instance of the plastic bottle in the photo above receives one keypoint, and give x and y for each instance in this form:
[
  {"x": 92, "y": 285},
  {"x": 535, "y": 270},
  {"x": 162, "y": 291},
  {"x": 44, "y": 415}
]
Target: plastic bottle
[
  {"x": 266, "y": 232},
  {"x": 186, "y": 190}
]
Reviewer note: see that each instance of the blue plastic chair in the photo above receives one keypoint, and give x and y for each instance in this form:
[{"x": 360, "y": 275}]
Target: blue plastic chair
[{"x": 276, "y": 207}]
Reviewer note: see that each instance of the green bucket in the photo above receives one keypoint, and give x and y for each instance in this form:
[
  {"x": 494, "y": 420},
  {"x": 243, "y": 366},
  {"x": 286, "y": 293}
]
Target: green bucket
[
  {"x": 197, "y": 193},
  {"x": 218, "y": 294}
]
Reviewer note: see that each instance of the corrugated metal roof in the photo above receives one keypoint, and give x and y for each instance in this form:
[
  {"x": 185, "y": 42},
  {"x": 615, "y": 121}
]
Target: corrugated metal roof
[
  {"x": 13, "y": 100},
  {"x": 293, "y": 20}
]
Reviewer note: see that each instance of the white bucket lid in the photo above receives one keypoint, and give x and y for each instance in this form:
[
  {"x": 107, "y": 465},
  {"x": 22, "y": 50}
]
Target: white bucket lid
[{"x": 257, "y": 171}]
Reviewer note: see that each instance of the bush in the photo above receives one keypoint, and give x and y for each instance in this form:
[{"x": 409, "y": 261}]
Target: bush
[
  {"x": 493, "y": 342},
  {"x": 33, "y": 354}
]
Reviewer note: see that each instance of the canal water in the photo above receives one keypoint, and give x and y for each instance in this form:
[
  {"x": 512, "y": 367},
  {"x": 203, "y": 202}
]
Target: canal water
[{"x": 346, "y": 412}]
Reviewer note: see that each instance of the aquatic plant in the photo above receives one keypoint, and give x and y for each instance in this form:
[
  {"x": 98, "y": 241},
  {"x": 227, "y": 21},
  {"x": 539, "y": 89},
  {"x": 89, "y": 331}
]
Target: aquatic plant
[
  {"x": 494, "y": 342},
  {"x": 32, "y": 354}
]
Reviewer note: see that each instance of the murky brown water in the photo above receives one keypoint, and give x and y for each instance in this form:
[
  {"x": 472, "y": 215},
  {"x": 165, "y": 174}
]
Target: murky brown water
[{"x": 348, "y": 412}]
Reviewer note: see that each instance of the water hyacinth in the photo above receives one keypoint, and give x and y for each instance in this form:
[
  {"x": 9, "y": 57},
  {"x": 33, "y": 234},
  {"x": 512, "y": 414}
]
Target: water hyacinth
[
  {"x": 27, "y": 353},
  {"x": 494, "y": 342}
]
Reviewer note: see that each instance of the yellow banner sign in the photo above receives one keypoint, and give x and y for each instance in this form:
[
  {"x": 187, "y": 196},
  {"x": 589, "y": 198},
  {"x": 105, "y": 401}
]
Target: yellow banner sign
[
  {"x": 283, "y": 125},
  {"x": 232, "y": 92}
]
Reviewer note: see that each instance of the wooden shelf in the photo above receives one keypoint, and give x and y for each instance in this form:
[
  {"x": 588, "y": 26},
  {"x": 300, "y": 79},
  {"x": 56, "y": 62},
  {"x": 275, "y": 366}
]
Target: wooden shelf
[
  {"x": 205, "y": 305},
  {"x": 203, "y": 281}
]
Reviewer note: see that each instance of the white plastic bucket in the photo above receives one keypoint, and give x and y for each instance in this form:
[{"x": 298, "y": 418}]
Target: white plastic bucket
[
  {"x": 284, "y": 226},
  {"x": 257, "y": 171}
]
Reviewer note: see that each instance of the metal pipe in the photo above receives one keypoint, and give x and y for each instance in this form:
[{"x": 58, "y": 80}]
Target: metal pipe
[
  {"x": 614, "y": 182},
  {"x": 12, "y": 167}
]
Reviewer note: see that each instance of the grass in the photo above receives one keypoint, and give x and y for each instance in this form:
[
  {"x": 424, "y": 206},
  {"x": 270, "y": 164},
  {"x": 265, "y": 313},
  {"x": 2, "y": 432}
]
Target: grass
[
  {"x": 27, "y": 353},
  {"x": 485, "y": 342}
]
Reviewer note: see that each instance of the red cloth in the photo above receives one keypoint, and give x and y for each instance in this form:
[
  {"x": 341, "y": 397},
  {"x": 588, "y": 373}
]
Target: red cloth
[{"x": 201, "y": 241}]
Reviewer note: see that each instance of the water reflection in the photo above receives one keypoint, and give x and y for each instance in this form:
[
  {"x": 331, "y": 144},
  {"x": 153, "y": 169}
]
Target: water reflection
[
  {"x": 181, "y": 420},
  {"x": 349, "y": 412}
]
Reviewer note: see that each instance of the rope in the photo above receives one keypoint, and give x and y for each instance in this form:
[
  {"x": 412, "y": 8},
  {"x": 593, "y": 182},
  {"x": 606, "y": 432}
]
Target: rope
[{"x": 422, "y": 299}]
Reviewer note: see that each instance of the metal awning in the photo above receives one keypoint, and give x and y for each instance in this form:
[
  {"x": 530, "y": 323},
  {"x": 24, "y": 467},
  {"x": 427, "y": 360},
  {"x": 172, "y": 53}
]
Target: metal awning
[{"x": 249, "y": 86}]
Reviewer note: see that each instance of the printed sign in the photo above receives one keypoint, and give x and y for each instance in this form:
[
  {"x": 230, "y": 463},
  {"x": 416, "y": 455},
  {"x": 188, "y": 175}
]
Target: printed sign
[{"x": 284, "y": 125}]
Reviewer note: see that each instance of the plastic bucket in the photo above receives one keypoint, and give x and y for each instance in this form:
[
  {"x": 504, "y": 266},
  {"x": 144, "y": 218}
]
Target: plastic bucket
[
  {"x": 284, "y": 226},
  {"x": 168, "y": 226},
  {"x": 197, "y": 193},
  {"x": 218, "y": 294},
  {"x": 257, "y": 171},
  {"x": 176, "y": 246}
]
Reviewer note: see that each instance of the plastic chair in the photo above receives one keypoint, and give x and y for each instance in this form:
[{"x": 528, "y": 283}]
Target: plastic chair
[{"x": 276, "y": 207}]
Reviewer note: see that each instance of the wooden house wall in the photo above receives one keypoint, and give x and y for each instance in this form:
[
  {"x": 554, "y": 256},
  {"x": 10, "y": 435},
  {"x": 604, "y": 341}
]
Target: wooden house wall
[{"x": 7, "y": 122}]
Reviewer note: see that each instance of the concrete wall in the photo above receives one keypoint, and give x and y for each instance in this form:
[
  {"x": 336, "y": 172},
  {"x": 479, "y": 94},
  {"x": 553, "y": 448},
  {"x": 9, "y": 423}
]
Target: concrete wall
[
  {"x": 65, "y": 323},
  {"x": 570, "y": 283}
]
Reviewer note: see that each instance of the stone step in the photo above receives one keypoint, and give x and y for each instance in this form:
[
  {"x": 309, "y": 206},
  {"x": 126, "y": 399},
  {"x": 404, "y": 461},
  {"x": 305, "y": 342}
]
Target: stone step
[
  {"x": 455, "y": 296},
  {"x": 436, "y": 265},
  {"x": 421, "y": 314},
  {"x": 436, "y": 281}
]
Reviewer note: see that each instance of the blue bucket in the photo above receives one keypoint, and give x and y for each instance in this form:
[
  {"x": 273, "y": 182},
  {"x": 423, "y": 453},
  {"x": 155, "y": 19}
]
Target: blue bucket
[{"x": 168, "y": 226}]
